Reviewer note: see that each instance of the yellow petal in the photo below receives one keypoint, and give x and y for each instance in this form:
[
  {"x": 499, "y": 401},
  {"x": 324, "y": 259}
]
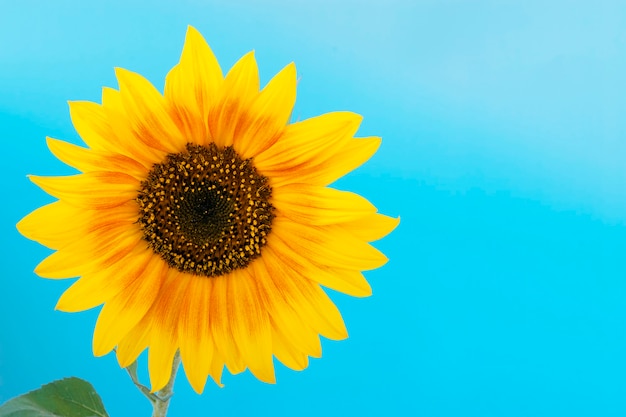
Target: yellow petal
[
  {"x": 92, "y": 124},
  {"x": 260, "y": 127},
  {"x": 322, "y": 312},
  {"x": 99, "y": 286},
  {"x": 282, "y": 307},
  {"x": 347, "y": 281},
  {"x": 91, "y": 190},
  {"x": 305, "y": 142},
  {"x": 354, "y": 154},
  {"x": 81, "y": 257},
  {"x": 135, "y": 342},
  {"x": 106, "y": 129},
  {"x": 192, "y": 86},
  {"x": 239, "y": 90},
  {"x": 59, "y": 224},
  {"x": 163, "y": 347},
  {"x": 112, "y": 99},
  {"x": 310, "y": 301},
  {"x": 196, "y": 345},
  {"x": 250, "y": 326},
  {"x": 148, "y": 114},
  {"x": 285, "y": 352},
  {"x": 87, "y": 160},
  {"x": 53, "y": 225},
  {"x": 323, "y": 169},
  {"x": 318, "y": 206},
  {"x": 328, "y": 245},
  {"x": 165, "y": 321},
  {"x": 217, "y": 367},
  {"x": 220, "y": 323},
  {"x": 372, "y": 227},
  {"x": 122, "y": 312}
]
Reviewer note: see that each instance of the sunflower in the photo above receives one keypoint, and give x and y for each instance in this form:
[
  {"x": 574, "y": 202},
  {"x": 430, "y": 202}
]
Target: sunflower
[{"x": 202, "y": 220}]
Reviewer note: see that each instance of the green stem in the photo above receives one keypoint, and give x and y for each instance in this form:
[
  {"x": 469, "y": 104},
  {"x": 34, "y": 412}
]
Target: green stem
[{"x": 162, "y": 398}]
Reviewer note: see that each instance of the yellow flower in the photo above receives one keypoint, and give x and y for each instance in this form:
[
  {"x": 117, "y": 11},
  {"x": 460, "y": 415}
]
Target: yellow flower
[{"x": 204, "y": 223}]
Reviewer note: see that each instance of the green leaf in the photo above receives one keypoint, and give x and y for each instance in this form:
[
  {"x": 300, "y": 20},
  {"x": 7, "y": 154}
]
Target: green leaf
[{"x": 68, "y": 397}]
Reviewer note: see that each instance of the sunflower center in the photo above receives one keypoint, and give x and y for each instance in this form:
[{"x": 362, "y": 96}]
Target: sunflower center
[{"x": 205, "y": 211}]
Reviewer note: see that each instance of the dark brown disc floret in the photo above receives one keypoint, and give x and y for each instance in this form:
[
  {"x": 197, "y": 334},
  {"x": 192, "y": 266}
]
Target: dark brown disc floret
[{"x": 206, "y": 210}]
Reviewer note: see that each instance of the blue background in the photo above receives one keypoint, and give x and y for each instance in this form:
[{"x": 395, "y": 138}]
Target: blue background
[{"x": 504, "y": 141}]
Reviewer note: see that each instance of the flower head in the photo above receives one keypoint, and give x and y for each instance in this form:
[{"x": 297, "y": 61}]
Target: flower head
[{"x": 203, "y": 221}]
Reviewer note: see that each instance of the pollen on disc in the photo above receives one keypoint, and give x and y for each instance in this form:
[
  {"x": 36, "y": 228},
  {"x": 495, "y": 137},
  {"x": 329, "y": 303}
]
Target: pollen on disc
[{"x": 206, "y": 210}]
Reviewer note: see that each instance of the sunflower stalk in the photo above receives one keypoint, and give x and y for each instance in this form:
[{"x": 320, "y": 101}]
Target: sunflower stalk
[
  {"x": 159, "y": 407},
  {"x": 132, "y": 372},
  {"x": 161, "y": 400}
]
